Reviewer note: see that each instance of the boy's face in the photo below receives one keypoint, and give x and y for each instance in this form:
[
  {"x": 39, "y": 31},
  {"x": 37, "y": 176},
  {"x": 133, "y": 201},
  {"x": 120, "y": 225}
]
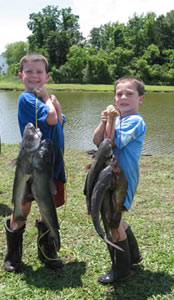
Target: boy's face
[
  {"x": 127, "y": 98},
  {"x": 33, "y": 75}
]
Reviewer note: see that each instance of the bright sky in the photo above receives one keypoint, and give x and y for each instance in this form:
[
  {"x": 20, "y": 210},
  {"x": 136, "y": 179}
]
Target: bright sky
[{"x": 14, "y": 14}]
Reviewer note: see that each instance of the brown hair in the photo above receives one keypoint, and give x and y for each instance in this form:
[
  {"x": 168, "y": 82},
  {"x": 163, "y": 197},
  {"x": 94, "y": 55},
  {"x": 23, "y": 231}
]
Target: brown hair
[
  {"x": 139, "y": 84},
  {"x": 33, "y": 57}
]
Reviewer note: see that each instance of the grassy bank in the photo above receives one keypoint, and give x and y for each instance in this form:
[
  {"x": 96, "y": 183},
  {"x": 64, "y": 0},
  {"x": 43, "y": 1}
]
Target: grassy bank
[
  {"x": 15, "y": 84},
  {"x": 151, "y": 218}
]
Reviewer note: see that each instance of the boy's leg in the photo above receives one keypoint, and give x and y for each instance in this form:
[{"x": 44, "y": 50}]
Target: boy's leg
[
  {"x": 14, "y": 235},
  {"x": 14, "y": 225},
  {"x": 46, "y": 248},
  {"x": 120, "y": 270},
  {"x": 135, "y": 254},
  {"x": 13, "y": 255}
]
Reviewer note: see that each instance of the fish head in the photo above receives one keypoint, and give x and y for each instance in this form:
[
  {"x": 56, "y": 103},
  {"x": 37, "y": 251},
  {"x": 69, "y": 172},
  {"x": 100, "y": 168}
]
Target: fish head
[
  {"x": 106, "y": 149},
  {"x": 31, "y": 138}
]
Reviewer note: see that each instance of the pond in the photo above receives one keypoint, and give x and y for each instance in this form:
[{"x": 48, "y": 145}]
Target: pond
[{"x": 83, "y": 109}]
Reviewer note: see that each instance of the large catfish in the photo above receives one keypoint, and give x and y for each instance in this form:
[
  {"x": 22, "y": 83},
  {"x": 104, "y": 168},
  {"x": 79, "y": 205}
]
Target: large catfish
[
  {"x": 108, "y": 195},
  {"x": 107, "y": 199},
  {"x": 103, "y": 154},
  {"x": 30, "y": 143},
  {"x": 43, "y": 188}
]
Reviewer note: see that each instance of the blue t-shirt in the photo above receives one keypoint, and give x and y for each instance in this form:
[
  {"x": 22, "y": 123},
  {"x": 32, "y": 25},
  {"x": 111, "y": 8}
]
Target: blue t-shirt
[
  {"x": 27, "y": 113},
  {"x": 129, "y": 137}
]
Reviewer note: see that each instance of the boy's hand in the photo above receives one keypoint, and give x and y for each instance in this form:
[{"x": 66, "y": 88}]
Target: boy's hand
[
  {"x": 54, "y": 100},
  {"x": 104, "y": 116},
  {"x": 112, "y": 111},
  {"x": 41, "y": 93}
]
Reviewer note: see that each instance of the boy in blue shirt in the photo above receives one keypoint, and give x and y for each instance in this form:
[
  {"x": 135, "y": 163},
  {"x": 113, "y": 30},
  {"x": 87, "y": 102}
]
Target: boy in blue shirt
[
  {"x": 127, "y": 141},
  {"x": 36, "y": 106}
]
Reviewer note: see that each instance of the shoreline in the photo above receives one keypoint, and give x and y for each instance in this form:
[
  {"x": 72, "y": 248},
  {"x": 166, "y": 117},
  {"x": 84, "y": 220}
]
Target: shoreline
[
  {"x": 15, "y": 86},
  {"x": 83, "y": 90}
]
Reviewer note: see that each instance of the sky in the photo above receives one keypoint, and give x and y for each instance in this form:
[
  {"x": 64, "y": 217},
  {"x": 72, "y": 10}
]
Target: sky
[{"x": 14, "y": 14}]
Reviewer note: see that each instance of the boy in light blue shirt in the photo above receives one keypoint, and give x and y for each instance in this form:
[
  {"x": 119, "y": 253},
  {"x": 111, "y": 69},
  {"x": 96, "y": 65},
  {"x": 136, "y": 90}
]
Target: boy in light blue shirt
[{"x": 126, "y": 130}]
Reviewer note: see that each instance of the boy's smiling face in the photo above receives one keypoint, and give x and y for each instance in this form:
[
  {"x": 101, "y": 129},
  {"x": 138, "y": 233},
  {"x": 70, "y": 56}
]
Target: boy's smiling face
[
  {"x": 33, "y": 75},
  {"x": 127, "y": 98}
]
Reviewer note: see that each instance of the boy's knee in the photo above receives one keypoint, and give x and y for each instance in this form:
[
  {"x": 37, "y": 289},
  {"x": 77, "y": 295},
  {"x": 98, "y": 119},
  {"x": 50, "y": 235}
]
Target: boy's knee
[{"x": 26, "y": 208}]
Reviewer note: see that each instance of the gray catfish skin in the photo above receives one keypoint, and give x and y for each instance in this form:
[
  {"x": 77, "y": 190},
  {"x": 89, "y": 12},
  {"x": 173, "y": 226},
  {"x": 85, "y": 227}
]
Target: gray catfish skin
[
  {"x": 108, "y": 195},
  {"x": 36, "y": 161},
  {"x": 103, "y": 154},
  {"x": 30, "y": 143},
  {"x": 42, "y": 187}
]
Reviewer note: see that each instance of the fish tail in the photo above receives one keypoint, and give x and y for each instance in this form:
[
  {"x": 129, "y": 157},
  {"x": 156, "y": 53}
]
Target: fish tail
[{"x": 112, "y": 244}]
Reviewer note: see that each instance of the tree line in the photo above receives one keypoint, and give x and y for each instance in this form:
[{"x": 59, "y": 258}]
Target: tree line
[{"x": 143, "y": 47}]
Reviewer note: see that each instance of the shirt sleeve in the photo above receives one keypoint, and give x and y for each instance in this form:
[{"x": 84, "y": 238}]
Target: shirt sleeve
[
  {"x": 63, "y": 120},
  {"x": 129, "y": 130}
]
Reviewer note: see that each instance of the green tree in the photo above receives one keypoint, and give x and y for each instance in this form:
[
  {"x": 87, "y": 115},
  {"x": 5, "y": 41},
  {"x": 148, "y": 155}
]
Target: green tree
[
  {"x": 143, "y": 69},
  {"x": 170, "y": 32},
  {"x": 95, "y": 38},
  {"x": 164, "y": 28},
  {"x": 76, "y": 60},
  {"x": 15, "y": 51},
  {"x": 169, "y": 57},
  {"x": 54, "y": 31},
  {"x": 72, "y": 70},
  {"x": 134, "y": 35},
  {"x": 149, "y": 29},
  {"x": 107, "y": 36},
  {"x": 119, "y": 62},
  {"x": 97, "y": 69},
  {"x": 13, "y": 54},
  {"x": 152, "y": 54},
  {"x": 119, "y": 35}
]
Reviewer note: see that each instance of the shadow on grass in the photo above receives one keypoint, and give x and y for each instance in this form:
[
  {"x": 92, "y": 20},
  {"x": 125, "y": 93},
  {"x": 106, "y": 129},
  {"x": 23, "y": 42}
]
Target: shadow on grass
[
  {"x": 5, "y": 210},
  {"x": 67, "y": 277},
  {"x": 143, "y": 286}
]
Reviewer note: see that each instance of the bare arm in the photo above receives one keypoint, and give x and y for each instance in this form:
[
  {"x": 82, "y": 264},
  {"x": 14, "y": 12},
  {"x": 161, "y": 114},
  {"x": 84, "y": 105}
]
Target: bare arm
[
  {"x": 99, "y": 132},
  {"x": 110, "y": 124},
  {"x": 106, "y": 127},
  {"x": 57, "y": 107}
]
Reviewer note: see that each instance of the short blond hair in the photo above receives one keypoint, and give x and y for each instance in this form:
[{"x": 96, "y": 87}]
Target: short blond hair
[
  {"x": 139, "y": 84},
  {"x": 33, "y": 57}
]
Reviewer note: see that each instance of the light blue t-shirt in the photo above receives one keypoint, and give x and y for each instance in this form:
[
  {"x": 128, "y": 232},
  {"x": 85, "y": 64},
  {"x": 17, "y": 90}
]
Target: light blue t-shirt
[
  {"x": 129, "y": 138},
  {"x": 27, "y": 113}
]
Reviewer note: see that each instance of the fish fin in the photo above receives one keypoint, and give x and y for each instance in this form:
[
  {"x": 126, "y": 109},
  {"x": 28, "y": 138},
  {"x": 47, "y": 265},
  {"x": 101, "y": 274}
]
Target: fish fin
[
  {"x": 92, "y": 152},
  {"x": 12, "y": 164},
  {"x": 112, "y": 244}
]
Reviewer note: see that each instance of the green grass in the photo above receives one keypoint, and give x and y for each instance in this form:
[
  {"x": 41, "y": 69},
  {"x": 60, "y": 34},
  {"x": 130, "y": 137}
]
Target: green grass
[
  {"x": 151, "y": 218},
  {"x": 15, "y": 84}
]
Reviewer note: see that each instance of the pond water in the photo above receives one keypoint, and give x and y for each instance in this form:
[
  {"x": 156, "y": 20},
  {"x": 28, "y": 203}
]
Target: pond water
[{"x": 82, "y": 111}]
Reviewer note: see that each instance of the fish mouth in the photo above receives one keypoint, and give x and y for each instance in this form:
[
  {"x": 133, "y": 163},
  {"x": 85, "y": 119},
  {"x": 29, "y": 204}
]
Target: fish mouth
[{"x": 31, "y": 138}]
